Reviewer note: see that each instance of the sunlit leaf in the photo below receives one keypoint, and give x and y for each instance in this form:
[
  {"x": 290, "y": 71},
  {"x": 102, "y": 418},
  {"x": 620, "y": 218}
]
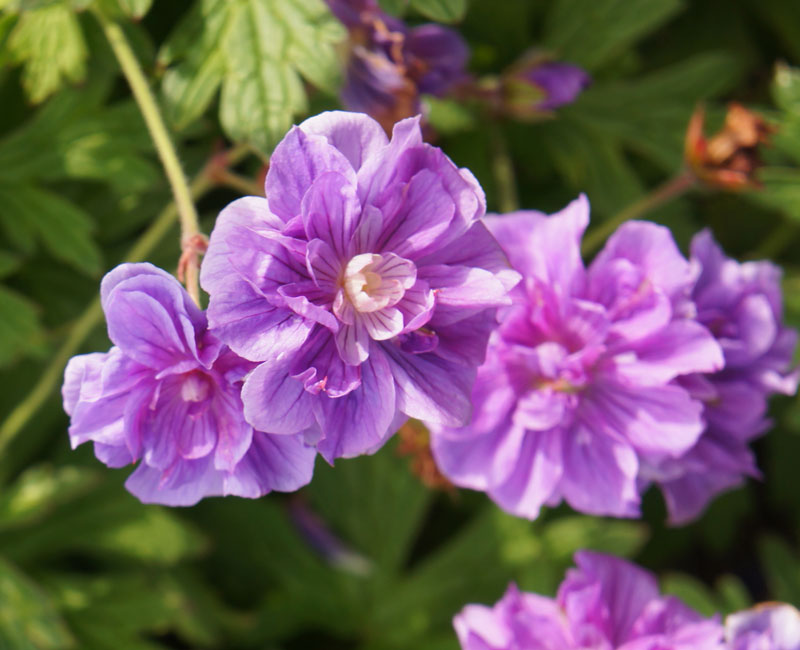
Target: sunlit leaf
[{"x": 48, "y": 42}]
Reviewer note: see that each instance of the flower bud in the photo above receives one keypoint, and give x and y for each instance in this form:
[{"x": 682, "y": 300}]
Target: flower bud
[{"x": 730, "y": 158}]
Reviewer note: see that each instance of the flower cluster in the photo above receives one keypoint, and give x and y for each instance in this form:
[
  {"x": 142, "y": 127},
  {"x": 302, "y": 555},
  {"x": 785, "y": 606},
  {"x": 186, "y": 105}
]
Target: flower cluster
[
  {"x": 609, "y": 604},
  {"x": 361, "y": 293},
  {"x": 391, "y": 65},
  {"x": 604, "y": 604},
  {"x": 644, "y": 367}
]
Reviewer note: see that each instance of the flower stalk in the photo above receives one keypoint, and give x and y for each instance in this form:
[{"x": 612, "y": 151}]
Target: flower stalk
[
  {"x": 190, "y": 226},
  {"x": 671, "y": 189}
]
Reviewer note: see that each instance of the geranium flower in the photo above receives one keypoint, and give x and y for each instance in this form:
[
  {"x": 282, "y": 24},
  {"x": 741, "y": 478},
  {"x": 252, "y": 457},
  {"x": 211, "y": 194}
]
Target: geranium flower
[
  {"x": 168, "y": 394},
  {"x": 390, "y": 64},
  {"x": 365, "y": 285},
  {"x": 741, "y": 305},
  {"x": 578, "y": 387},
  {"x": 604, "y": 604},
  {"x": 770, "y": 626}
]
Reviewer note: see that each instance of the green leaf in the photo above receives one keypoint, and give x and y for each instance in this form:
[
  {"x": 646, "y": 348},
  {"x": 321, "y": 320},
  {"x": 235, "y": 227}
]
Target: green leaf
[
  {"x": 468, "y": 563},
  {"x": 448, "y": 116},
  {"x": 135, "y": 8},
  {"x": 20, "y": 332},
  {"x": 593, "y": 33},
  {"x": 442, "y": 11},
  {"x": 394, "y": 7},
  {"x": 39, "y": 490},
  {"x": 261, "y": 90},
  {"x": 781, "y": 190},
  {"x": 692, "y": 592},
  {"x": 649, "y": 115},
  {"x": 782, "y": 568},
  {"x": 121, "y": 528},
  {"x": 48, "y": 42},
  {"x": 256, "y": 51},
  {"x": 28, "y": 618},
  {"x": 8, "y": 263},
  {"x": 64, "y": 228},
  {"x": 374, "y": 503},
  {"x": 786, "y": 88},
  {"x": 156, "y": 536},
  {"x": 189, "y": 86}
]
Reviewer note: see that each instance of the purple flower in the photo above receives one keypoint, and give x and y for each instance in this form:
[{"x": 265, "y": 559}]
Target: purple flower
[
  {"x": 391, "y": 64},
  {"x": 365, "y": 286},
  {"x": 168, "y": 394},
  {"x": 741, "y": 305},
  {"x": 604, "y": 604},
  {"x": 771, "y": 626},
  {"x": 536, "y": 85},
  {"x": 578, "y": 386}
]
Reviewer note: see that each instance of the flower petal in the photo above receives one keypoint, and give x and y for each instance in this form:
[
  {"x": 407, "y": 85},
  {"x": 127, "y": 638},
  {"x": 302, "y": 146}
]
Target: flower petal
[
  {"x": 298, "y": 160},
  {"x": 361, "y": 421},
  {"x": 355, "y": 135},
  {"x": 280, "y": 463},
  {"x": 430, "y": 388},
  {"x": 274, "y": 401}
]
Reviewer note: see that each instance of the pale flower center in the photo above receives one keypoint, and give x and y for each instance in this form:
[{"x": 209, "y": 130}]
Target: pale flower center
[
  {"x": 372, "y": 282},
  {"x": 195, "y": 388}
]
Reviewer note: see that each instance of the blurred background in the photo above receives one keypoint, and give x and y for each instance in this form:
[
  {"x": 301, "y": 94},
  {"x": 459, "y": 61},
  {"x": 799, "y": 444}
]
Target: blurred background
[{"x": 376, "y": 553}]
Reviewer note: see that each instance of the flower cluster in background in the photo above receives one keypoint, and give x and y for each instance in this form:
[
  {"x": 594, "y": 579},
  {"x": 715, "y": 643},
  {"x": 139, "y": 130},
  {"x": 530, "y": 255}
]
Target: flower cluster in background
[
  {"x": 644, "y": 367},
  {"x": 390, "y": 66},
  {"x": 610, "y": 604}
]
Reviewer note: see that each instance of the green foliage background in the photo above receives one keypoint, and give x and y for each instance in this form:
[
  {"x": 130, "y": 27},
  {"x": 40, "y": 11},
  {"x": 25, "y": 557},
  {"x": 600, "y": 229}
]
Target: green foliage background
[{"x": 84, "y": 565}]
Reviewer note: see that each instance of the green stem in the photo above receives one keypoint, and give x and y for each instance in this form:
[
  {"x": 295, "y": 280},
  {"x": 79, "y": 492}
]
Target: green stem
[
  {"x": 239, "y": 183},
  {"x": 775, "y": 243},
  {"x": 93, "y": 314},
  {"x": 673, "y": 188},
  {"x": 503, "y": 170},
  {"x": 190, "y": 226}
]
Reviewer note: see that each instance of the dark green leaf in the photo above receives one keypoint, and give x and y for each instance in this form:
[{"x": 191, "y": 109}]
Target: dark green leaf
[
  {"x": 63, "y": 227},
  {"x": 28, "y": 618},
  {"x": 19, "y": 326},
  {"x": 374, "y": 503},
  {"x": 593, "y": 33},
  {"x": 442, "y": 11}
]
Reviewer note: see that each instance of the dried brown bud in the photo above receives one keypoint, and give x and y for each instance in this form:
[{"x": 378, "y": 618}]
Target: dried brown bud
[{"x": 730, "y": 158}]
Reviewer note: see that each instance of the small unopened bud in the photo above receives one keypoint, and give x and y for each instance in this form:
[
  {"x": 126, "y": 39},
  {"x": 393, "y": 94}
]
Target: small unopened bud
[{"x": 536, "y": 85}]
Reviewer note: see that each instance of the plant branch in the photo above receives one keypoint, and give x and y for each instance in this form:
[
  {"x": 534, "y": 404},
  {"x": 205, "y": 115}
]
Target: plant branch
[
  {"x": 245, "y": 186},
  {"x": 190, "y": 226},
  {"x": 669, "y": 190},
  {"x": 502, "y": 170},
  {"x": 91, "y": 317}
]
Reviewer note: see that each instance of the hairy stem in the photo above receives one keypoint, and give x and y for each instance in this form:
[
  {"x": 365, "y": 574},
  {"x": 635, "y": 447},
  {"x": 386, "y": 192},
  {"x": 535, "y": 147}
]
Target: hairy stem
[
  {"x": 91, "y": 317},
  {"x": 672, "y": 189},
  {"x": 190, "y": 226}
]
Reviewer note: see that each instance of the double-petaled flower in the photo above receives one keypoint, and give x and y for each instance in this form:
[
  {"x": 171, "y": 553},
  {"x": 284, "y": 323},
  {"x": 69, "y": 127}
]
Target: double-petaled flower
[{"x": 364, "y": 286}]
